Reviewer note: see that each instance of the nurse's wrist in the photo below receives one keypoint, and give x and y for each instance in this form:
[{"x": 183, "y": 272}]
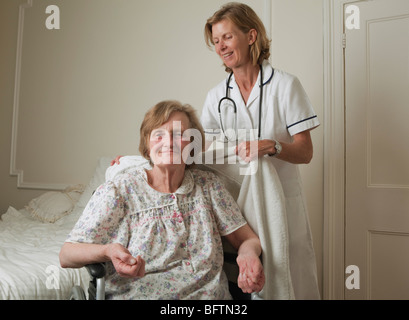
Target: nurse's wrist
[
  {"x": 266, "y": 147},
  {"x": 275, "y": 150},
  {"x": 272, "y": 153}
]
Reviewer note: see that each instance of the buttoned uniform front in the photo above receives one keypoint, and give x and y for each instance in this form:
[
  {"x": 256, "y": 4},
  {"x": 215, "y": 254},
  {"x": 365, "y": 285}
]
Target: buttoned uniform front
[{"x": 285, "y": 111}]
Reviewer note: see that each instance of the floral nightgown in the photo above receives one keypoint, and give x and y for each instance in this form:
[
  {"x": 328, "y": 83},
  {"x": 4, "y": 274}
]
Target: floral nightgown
[{"x": 177, "y": 234}]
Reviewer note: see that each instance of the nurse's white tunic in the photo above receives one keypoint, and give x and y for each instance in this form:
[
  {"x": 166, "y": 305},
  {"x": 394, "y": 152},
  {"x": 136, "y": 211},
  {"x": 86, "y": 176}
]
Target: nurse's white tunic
[{"x": 286, "y": 111}]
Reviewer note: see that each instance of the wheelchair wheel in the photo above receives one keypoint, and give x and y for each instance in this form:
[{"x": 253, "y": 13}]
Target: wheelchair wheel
[{"x": 77, "y": 293}]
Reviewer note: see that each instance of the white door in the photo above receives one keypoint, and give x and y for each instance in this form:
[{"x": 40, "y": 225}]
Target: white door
[{"x": 377, "y": 150}]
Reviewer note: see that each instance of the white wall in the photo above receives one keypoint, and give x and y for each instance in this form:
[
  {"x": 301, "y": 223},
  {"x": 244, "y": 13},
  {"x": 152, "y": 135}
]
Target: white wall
[{"x": 85, "y": 87}]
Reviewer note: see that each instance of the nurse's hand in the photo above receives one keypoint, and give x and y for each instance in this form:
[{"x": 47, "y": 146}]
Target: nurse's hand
[
  {"x": 252, "y": 150},
  {"x": 299, "y": 151},
  {"x": 116, "y": 160}
]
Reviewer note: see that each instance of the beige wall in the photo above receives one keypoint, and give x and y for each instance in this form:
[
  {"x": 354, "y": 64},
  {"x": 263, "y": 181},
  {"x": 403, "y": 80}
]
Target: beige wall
[
  {"x": 9, "y": 194},
  {"x": 297, "y": 47},
  {"x": 91, "y": 82}
]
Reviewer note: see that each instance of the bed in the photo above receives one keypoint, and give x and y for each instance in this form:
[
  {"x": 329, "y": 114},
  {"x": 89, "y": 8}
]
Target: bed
[{"x": 31, "y": 238}]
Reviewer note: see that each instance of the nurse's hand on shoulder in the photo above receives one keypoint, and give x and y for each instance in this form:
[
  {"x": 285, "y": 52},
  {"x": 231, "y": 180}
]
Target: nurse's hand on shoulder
[
  {"x": 251, "y": 150},
  {"x": 116, "y": 160}
]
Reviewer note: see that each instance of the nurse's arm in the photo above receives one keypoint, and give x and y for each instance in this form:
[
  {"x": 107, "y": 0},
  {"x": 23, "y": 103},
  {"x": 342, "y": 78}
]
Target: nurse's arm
[{"x": 300, "y": 151}]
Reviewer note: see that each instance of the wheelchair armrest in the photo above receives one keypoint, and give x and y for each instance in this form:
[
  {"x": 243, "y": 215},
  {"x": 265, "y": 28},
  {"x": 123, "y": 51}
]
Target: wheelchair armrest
[{"x": 96, "y": 270}]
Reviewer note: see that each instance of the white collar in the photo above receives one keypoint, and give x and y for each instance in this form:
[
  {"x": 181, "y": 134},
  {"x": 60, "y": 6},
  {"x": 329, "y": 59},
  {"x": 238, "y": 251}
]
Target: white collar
[{"x": 268, "y": 73}]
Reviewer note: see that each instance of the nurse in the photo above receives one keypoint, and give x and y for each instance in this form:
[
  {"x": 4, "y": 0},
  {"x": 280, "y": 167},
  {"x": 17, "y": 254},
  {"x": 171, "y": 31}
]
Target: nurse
[{"x": 254, "y": 96}]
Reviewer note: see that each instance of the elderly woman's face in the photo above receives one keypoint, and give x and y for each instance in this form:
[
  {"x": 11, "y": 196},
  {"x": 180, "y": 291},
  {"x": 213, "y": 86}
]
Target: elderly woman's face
[
  {"x": 231, "y": 44},
  {"x": 166, "y": 143}
]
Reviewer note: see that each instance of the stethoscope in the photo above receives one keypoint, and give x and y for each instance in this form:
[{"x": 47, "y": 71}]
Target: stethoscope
[{"x": 233, "y": 104}]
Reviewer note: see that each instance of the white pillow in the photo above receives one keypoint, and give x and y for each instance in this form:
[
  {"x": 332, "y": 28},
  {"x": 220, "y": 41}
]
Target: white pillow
[
  {"x": 53, "y": 205},
  {"x": 97, "y": 179}
]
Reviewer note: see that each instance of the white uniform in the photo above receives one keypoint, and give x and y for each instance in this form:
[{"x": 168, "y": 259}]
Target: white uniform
[{"x": 286, "y": 111}]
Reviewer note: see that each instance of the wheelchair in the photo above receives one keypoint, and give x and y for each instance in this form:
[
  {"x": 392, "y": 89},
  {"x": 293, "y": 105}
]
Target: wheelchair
[
  {"x": 96, "y": 288},
  {"x": 97, "y": 271}
]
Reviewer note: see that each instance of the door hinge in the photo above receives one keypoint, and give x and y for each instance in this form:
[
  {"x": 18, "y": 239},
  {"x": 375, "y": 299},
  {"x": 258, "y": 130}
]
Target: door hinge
[{"x": 344, "y": 40}]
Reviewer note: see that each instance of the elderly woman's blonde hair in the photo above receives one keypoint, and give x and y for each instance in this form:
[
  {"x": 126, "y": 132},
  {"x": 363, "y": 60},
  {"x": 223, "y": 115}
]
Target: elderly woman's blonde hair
[
  {"x": 159, "y": 114},
  {"x": 245, "y": 19}
]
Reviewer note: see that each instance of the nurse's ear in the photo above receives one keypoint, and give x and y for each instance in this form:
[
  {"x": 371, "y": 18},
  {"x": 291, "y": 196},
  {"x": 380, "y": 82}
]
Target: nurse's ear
[{"x": 252, "y": 36}]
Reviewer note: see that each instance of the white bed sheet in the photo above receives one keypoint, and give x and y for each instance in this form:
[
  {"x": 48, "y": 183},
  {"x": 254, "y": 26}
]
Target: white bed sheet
[{"x": 29, "y": 262}]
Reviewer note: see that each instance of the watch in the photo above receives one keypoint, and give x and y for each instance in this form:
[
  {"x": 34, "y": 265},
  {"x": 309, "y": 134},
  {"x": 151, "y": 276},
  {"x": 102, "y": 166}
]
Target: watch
[{"x": 278, "y": 149}]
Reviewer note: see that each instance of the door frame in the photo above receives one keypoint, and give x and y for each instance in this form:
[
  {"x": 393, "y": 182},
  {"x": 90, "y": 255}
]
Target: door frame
[{"x": 334, "y": 148}]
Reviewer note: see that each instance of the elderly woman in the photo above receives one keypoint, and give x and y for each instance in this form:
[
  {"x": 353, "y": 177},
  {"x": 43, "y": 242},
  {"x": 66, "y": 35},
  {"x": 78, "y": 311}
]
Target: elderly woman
[{"x": 159, "y": 229}]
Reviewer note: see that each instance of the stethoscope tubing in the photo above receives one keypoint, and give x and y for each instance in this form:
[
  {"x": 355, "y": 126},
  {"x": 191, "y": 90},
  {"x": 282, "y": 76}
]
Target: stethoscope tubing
[{"x": 235, "y": 107}]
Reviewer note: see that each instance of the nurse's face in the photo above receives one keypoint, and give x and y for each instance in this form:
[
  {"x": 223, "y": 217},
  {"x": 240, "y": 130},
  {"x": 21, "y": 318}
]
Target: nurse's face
[
  {"x": 231, "y": 44},
  {"x": 166, "y": 142}
]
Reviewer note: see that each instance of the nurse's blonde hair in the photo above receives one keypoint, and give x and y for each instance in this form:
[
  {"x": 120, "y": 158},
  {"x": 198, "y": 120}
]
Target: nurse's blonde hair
[{"x": 245, "y": 19}]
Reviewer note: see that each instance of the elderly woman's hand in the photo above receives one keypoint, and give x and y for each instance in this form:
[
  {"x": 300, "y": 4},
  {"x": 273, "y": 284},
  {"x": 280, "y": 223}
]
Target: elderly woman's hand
[
  {"x": 251, "y": 277},
  {"x": 125, "y": 264}
]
